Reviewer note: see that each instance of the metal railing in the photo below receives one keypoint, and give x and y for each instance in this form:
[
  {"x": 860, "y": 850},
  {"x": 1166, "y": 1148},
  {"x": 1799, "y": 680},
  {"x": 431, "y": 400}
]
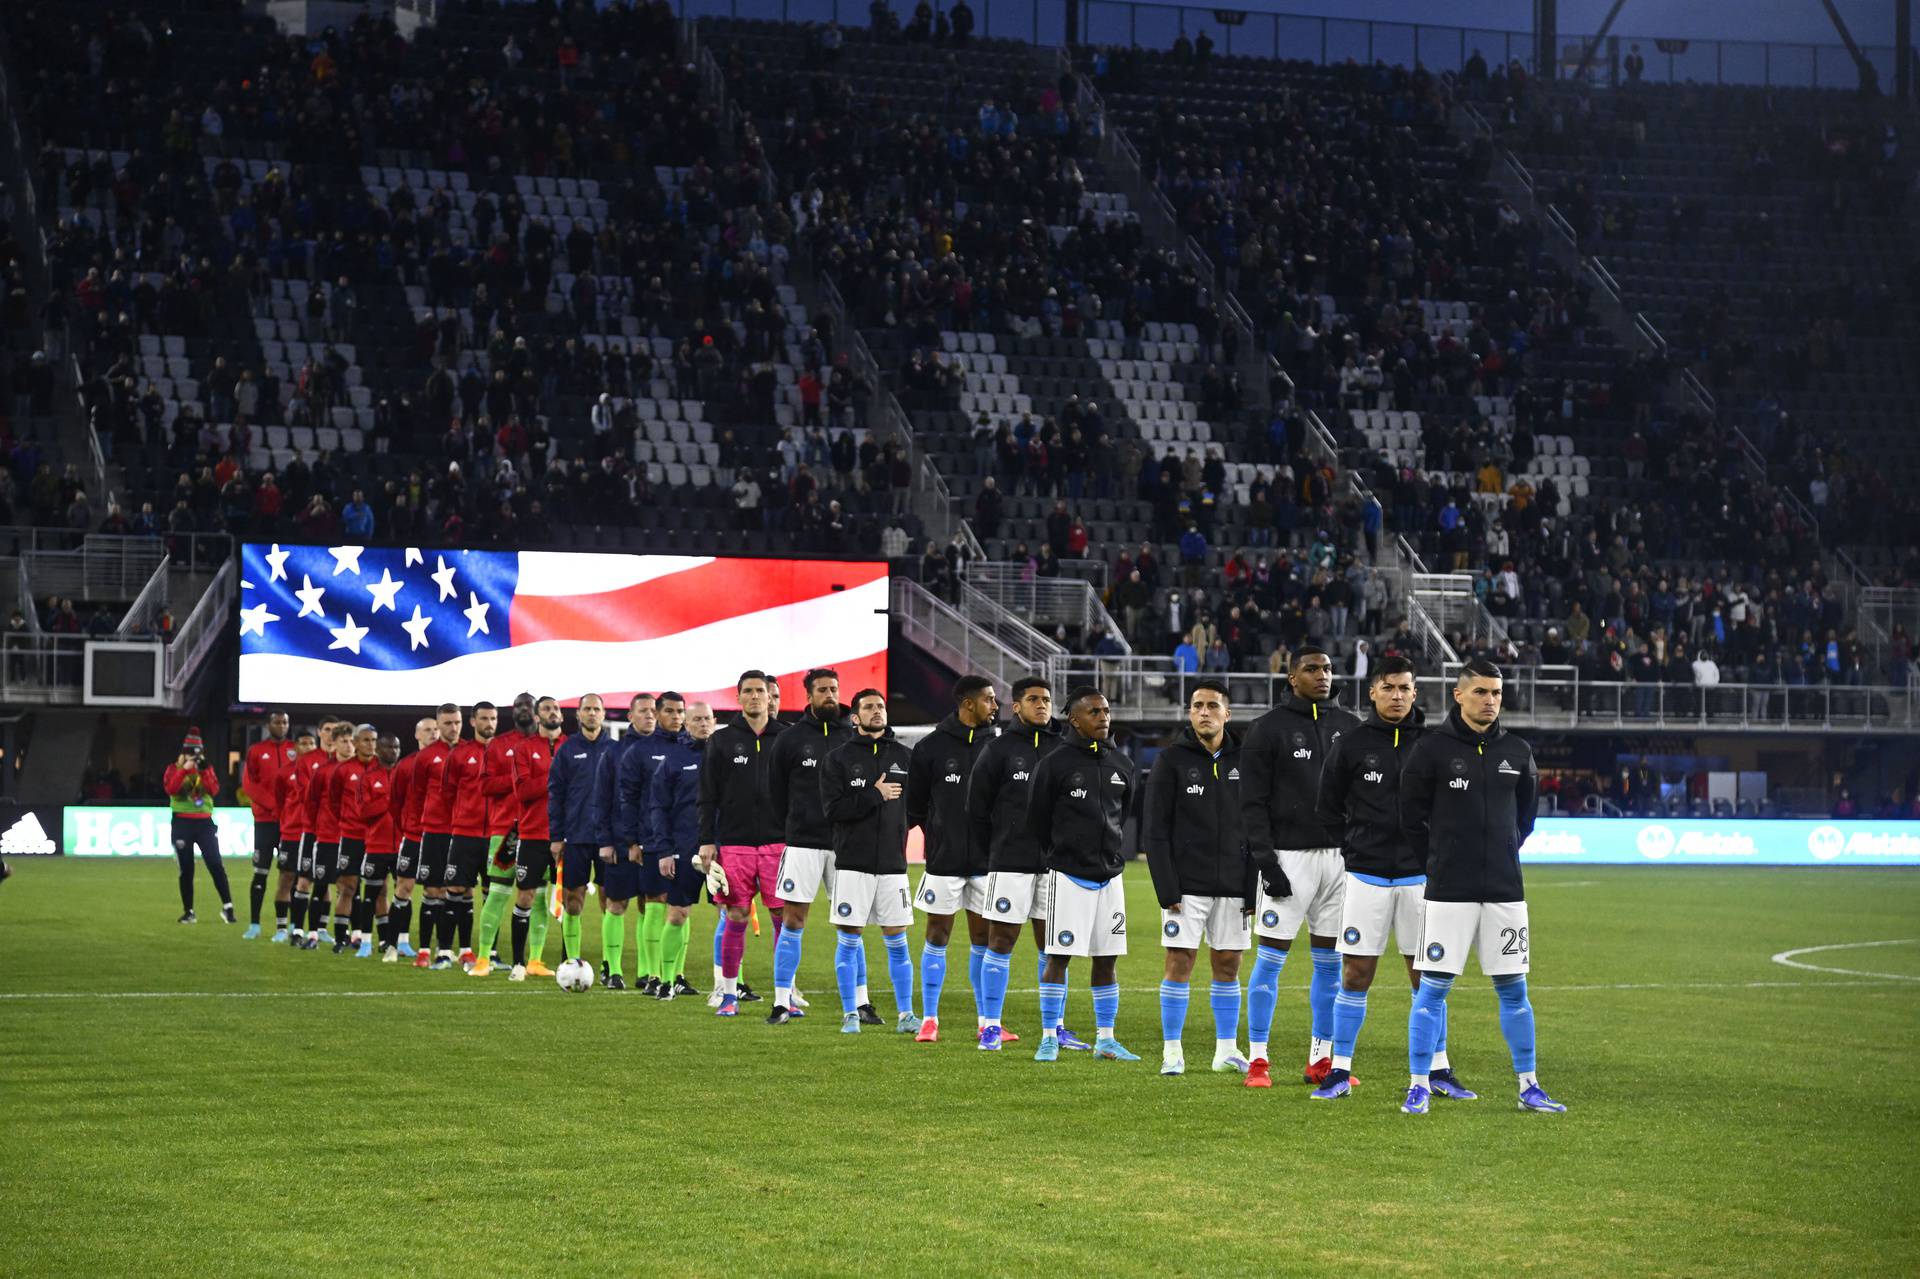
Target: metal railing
[
  {"x": 147, "y": 606},
  {"x": 203, "y": 627},
  {"x": 943, "y": 631},
  {"x": 103, "y": 568},
  {"x": 1007, "y": 627},
  {"x": 1046, "y": 601},
  {"x": 41, "y": 669},
  {"x": 195, "y": 552}
]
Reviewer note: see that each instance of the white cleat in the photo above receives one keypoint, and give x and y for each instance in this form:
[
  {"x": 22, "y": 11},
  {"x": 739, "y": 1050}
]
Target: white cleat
[
  {"x": 390, "y": 955},
  {"x": 1173, "y": 1063},
  {"x": 714, "y": 998},
  {"x": 799, "y": 1000},
  {"x": 1233, "y": 1061},
  {"x": 519, "y": 973}
]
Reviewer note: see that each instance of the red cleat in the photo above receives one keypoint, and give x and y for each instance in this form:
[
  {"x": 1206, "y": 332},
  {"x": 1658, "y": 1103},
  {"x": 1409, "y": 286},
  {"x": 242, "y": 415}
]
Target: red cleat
[
  {"x": 1258, "y": 1075},
  {"x": 1008, "y": 1037},
  {"x": 423, "y": 959},
  {"x": 929, "y": 1032},
  {"x": 1316, "y": 1074}
]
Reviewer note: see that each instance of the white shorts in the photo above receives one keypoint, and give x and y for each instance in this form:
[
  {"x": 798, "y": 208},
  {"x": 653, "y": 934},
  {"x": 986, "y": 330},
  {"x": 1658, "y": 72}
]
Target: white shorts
[
  {"x": 804, "y": 871},
  {"x": 1370, "y": 911},
  {"x": 1086, "y": 921},
  {"x": 860, "y": 899},
  {"x": 950, "y": 894},
  {"x": 1319, "y": 880},
  {"x": 1014, "y": 897},
  {"x": 1453, "y": 928},
  {"x": 1220, "y": 922}
]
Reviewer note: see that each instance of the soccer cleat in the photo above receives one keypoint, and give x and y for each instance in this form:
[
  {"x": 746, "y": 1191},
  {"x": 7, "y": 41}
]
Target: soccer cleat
[
  {"x": 519, "y": 973},
  {"x": 1445, "y": 1085},
  {"x": 1534, "y": 1097},
  {"x": 390, "y": 955},
  {"x": 442, "y": 964},
  {"x": 253, "y": 931},
  {"x": 1258, "y": 1076},
  {"x": 1417, "y": 1098},
  {"x": 664, "y": 994},
  {"x": 421, "y": 959},
  {"x": 537, "y": 969},
  {"x": 188, "y": 917},
  {"x": 279, "y": 937},
  {"x": 849, "y": 1023},
  {"x": 339, "y": 948},
  {"x": 1316, "y": 1073},
  {"x": 929, "y": 1032},
  {"x": 482, "y": 967},
  {"x": 467, "y": 958},
  {"x": 1173, "y": 1063},
  {"x": 729, "y": 1007},
  {"x": 651, "y": 986},
  {"x": 1110, "y": 1050},
  {"x": 1233, "y": 1061},
  {"x": 365, "y": 951},
  {"x": 1049, "y": 1049},
  {"x": 1071, "y": 1042},
  {"x": 227, "y": 916},
  {"x": 714, "y": 999},
  {"x": 799, "y": 1000},
  {"x": 681, "y": 986},
  {"x": 869, "y": 1015},
  {"x": 406, "y": 948},
  {"x": 991, "y": 1037},
  {"x": 906, "y": 1023},
  {"x": 1008, "y": 1037},
  {"x": 1337, "y": 1086},
  {"x": 779, "y": 1016},
  {"x": 616, "y": 982},
  {"x": 746, "y": 994}
]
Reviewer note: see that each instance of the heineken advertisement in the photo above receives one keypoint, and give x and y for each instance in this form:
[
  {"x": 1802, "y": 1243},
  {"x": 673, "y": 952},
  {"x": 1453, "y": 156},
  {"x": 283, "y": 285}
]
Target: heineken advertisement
[{"x": 145, "y": 832}]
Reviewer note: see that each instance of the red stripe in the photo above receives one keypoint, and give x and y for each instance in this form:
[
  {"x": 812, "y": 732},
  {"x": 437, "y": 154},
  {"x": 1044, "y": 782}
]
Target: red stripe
[
  {"x": 855, "y": 674},
  {"x": 680, "y": 601}
]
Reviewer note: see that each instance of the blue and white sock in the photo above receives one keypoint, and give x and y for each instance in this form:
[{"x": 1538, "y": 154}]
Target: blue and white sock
[
  {"x": 860, "y": 981},
  {"x": 976, "y": 964},
  {"x": 1440, "y": 1061},
  {"x": 900, "y": 972},
  {"x": 786, "y": 963},
  {"x": 1173, "y": 1011},
  {"x": 995, "y": 971},
  {"x": 1106, "y": 1009},
  {"x": 1423, "y": 1023},
  {"x": 847, "y": 956},
  {"x": 1263, "y": 994},
  {"x": 1349, "y": 1014},
  {"x": 1053, "y": 1006},
  {"x": 1320, "y": 992},
  {"x": 1224, "y": 996},
  {"x": 933, "y": 976},
  {"x": 1516, "y": 1022},
  {"x": 719, "y": 932}
]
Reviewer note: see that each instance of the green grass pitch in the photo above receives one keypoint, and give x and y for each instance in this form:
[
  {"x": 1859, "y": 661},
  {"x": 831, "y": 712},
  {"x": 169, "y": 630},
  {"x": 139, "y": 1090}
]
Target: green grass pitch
[{"x": 301, "y": 1114}]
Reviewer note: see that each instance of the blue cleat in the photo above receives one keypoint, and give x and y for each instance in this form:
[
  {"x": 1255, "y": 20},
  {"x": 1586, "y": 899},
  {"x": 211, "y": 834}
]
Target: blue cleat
[
  {"x": 990, "y": 1039},
  {"x": 406, "y": 949},
  {"x": 279, "y": 937},
  {"x": 365, "y": 951},
  {"x": 1049, "y": 1049},
  {"x": 1416, "y": 1102},
  {"x": 729, "y": 1006},
  {"x": 1072, "y": 1042},
  {"x": 849, "y": 1023},
  {"x": 1534, "y": 1097},
  {"x": 1338, "y": 1084},
  {"x": 253, "y": 931},
  {"x": 1445, "y": 1085},
  {"x": 1111, "y": 1050}
]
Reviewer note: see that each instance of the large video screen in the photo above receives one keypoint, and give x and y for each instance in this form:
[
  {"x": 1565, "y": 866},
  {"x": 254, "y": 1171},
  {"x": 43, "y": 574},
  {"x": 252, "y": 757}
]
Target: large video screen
[{"x": 410, "y": 626}]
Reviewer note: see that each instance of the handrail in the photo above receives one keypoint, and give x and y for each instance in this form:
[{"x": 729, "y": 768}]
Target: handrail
[
  {"x": 149, "y": 603},
  {"x": 967, "y": 647},
  {"x": 203, "y": 627}
]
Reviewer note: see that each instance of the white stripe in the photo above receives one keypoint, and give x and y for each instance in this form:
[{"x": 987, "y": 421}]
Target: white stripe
[
  {"x": 587, "y": 573},
  {"x": 817, "y": 632},
  {"x": 1786, "y": 959}
]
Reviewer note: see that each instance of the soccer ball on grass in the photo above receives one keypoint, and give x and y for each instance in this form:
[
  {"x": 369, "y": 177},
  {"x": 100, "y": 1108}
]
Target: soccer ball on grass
[{"x": 575, "y": 976}]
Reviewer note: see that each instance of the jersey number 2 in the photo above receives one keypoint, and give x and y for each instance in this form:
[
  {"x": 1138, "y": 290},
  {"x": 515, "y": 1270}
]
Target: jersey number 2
[{"x": 1119, "y": 923}]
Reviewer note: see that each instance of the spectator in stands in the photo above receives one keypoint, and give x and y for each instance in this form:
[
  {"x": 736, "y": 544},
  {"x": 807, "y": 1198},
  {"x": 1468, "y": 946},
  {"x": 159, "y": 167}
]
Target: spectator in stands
[{"x": 356, "y": 518}]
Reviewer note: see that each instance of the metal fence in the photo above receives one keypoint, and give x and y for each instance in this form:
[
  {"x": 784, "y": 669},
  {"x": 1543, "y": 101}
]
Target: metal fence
[
  {"x": 940, "y": 629},
  {"x": 1046, "y": 601},
  {"x": 41, "y": 669},
  {"x": 202, "y": 630}
]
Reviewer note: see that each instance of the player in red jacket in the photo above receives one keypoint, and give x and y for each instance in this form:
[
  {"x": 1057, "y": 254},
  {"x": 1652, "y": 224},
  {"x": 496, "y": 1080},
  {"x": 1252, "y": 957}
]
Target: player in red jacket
[
  {"x": 313, "y": 870},
  {"x": 436, "y": 830},
  {"x": 260, "y": 776},
  {"x": 464, "y": 782},
  {"x": 533, "y": 860},
  {"x": 327, "y": 860},
  {"x": 291, "y": 806},
  {"x": 503, "y": 821},
  {"x": 406, "y": 814}
]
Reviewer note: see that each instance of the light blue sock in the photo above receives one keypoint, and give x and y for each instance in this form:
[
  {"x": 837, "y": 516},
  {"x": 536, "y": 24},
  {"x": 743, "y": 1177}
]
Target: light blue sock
[
  {"x": 1263, "y": 991},
  {"x": 1066, "y": 984},
  {"x": 900, "y": 970},
  {"x": 1349, "y": 1014},
  {"x": 786, "y": 957},
  {"x": 1423, "y": 1023},
  {"x": 1173, "y": 1010},
  {"x": 719, "y": 931},
  {"x": 846, "y": 969},
  {"x": 1040, "y": 967},
  {"x": 1321, "y": 990},
  {"x": 1053, "y": 1005},
  {"x": 862, "y": 972},
  {"x": 1106, "y": 1008},
  {"x": 1516, "y": 1019},
  {"x": 933, "y": 976},
  {"x": 1225, "y": 998},
  {"x": 976, "y": 965},
  {"x": 995, "y": 970},
  {"x": 1440, "y": 1044}
]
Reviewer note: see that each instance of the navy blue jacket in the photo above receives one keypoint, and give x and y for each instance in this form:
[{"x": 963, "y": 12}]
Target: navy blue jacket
[
  {"x": 577, "y": 808},
  {"x": 673, "y": 801},
  {"x": 633, "y": 779}
]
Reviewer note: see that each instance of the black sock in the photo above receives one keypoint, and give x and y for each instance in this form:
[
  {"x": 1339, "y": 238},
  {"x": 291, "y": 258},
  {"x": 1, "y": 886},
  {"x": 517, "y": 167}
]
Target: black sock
[
  {"x": 257, "y": 894},
  {"x": 445, "y": 922},
  {"x": 339, "y": 929},
  {"x": 522, "y": 920},
  {"x": 280, "y": 916},
  {"x": 429, "y": 919},
  {"x": 317, "y": 911},
  {"x": 401, "y": 917},
  {"x": 302, "y": 902},
  {"x": 465, "y": 918},
  {"x": 363, "y": 910},
  {"x": 380, "y": 927}
]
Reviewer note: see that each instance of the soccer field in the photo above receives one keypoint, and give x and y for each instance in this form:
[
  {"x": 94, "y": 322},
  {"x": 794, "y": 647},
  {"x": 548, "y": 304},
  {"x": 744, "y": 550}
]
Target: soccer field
[{"x": 177, "y": 1101}]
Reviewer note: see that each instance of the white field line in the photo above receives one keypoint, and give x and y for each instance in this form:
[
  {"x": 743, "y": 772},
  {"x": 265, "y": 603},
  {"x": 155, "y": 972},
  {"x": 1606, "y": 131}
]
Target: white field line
[{"x": 1786, "y": 959}]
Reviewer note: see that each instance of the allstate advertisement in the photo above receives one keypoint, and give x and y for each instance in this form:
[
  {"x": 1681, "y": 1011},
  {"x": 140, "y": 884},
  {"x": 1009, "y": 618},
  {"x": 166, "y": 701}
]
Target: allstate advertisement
[
  {"x": 1622, "y": 841},
  {"x": 146, "y": 832}
]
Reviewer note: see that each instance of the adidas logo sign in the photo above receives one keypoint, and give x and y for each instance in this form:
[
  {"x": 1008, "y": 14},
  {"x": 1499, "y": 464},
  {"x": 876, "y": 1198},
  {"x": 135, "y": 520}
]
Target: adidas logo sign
[
  {"x": 1119, "y": 780},
  {"x": 28, "y": 838}
]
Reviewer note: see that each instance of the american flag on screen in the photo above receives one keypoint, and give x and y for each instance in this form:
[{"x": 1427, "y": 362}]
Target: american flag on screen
[{"x": 411, "y": 626}]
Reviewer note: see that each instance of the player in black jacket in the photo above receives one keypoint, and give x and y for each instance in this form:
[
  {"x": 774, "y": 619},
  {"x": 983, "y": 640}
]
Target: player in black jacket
[
  {"x": 739, "y": 835},
  {"x": 1386, "y": 878},
  {"x": 956, "y": 874},
  {"x": 862, "y": 784},
  {"x": 1016, "y": 879},
  {"x": 1467, "y": 797},
  {"x": 1298, "y": 857},
  {"x": 1077, "y": 811},
  {"x": 793, "y": 785},
  {"x": 1202, "y": 876}
]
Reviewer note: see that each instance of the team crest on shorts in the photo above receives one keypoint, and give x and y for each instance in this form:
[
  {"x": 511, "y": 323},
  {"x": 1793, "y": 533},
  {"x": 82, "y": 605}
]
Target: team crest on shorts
[
  {"x": 1352, "y": 936},
  {"x": 786, "y": 885},
  {"x": 1436, "y": 951},
  {"x": 1172, "y": 928},
  {"x": 1002, "y": 905},
  {"x": 1066, "y": 939},
  {"x": 846, "y": 908},
  {"x": 927, "y": 896},
  {"x": 1271, "y": 918}
]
